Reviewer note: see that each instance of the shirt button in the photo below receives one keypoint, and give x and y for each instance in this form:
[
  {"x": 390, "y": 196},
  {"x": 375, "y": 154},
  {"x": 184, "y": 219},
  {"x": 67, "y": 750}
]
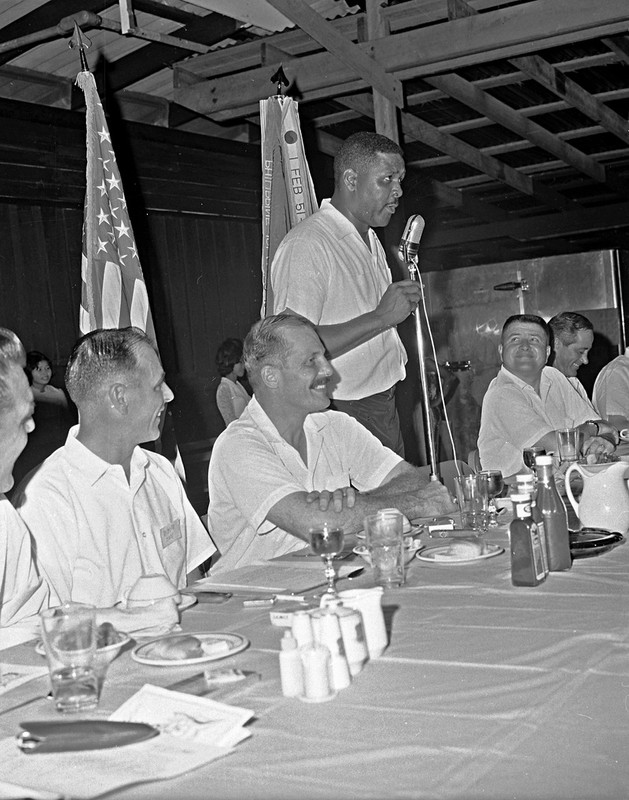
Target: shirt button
[{"x": 144, "y": 536}]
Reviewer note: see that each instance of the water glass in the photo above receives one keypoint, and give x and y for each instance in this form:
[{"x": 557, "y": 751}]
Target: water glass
[
  {"x": 385, "y": 542},
  {"x": 568, "y": 444},
  {"x": 473, "y": 500},
  {"x": 69, "y": 632}
]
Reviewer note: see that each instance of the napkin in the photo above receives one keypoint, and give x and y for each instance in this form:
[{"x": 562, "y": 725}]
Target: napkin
[{"x": 194, "y": 732}]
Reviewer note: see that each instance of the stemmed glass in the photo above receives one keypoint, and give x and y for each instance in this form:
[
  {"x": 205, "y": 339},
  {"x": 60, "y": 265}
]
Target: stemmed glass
[
  {"x": 495, "y": 485},
  {"x": 327, "y": 542}
]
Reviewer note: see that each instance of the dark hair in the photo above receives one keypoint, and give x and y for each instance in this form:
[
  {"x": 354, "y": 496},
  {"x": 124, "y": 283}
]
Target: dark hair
[
  {"x": 33, "y": 358},
  {"x": 566, "y": 326},
  {"x": 11, "y": 355},
  {"x": 266, "y": 342},
  {"x": 532, "y": 319},
  {"x": 99, "y": 355},
  {"x": 359, "y": 150},
  {"x": 228, "y": 355}
]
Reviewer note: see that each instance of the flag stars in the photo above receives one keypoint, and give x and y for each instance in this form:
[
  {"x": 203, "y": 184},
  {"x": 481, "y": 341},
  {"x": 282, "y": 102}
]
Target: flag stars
[
  {"x": 104, "y": 135},
  {"x": 123, "y": 230},
  {"x": 102, "y": 246},
  {"x": 113, "y": 182},
  {"x": 103, "y": 188},
  {"x": 103, "y": 219}
]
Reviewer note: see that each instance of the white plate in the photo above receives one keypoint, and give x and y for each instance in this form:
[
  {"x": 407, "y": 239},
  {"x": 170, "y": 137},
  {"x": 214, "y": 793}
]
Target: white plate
[
  {"x": 428, "y": 554},
  {"x": 235, "y": 642}
]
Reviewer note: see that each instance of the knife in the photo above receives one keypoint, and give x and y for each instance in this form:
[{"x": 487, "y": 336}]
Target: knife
[{"x": 59, "y": 737}]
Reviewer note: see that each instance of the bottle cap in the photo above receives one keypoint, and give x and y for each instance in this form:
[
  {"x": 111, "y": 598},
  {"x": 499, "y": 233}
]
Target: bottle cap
[
  {"x": 544, "y": 461},
  {"x": 288, "y": 641}
]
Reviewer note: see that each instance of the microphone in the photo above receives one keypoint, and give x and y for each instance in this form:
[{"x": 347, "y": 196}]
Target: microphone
[{"x": 409, "y": 243}]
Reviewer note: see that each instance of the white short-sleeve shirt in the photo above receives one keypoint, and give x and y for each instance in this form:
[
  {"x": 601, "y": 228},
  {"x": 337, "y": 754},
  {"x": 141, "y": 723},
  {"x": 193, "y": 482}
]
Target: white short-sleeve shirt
[
  {"x": 22, "y": 593},
  {"x": 514, "y": 416},
  {"x": 324, "y": 271},
  {"x": 611, "y": 389},
  {"x": 96, "y": 533},
  {"x": 253, "y": 467}
]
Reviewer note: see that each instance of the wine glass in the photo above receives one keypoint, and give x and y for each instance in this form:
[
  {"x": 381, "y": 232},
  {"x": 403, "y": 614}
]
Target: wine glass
[
  {"x": 327, "y": 542},
  {"x": 495, "y": 485}
]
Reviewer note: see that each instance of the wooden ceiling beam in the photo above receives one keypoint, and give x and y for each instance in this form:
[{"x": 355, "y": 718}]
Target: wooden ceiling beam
[
  {"x": 572, "y": 223},
  {"x": 502, "y": 114},
  {"x": 443, "y": 47},
  {"x": 345, "y": 50},
  {"x": 416, "y": 129},
  {"x": 563, "y": 86}
]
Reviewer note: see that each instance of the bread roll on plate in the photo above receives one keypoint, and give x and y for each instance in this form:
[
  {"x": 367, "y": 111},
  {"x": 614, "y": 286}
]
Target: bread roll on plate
[
  {"x": 178, "y": 649},
  {"x": 461, "y": 550}
]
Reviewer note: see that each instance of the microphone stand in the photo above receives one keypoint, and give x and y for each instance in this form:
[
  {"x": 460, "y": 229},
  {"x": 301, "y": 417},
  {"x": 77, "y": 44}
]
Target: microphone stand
[{"x": 413, "y": 271}]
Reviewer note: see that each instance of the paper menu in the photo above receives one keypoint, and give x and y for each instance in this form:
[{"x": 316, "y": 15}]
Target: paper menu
[{"x": 186, "y": 716}]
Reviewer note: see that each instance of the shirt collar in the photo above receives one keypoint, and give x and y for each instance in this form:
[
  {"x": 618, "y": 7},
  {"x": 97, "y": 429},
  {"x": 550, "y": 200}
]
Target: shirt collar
[{"x": 93, "y": 467}]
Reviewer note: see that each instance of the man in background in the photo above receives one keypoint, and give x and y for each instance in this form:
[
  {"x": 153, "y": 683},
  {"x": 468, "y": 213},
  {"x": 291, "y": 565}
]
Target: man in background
[
  {"x": 101, "y": 509},
  {"x": 283, "y": 467},
  {"x": 332, "y": 269},
  {"x": 611, "y": 391},
  {"x": 527, "y": 402},
  {"x": 22, "y": 592},
  {"x": 572, "y": 340}
]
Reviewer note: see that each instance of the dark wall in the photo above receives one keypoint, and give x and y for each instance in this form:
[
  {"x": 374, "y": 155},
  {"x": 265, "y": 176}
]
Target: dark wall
[{"x": 195, "y": 208}]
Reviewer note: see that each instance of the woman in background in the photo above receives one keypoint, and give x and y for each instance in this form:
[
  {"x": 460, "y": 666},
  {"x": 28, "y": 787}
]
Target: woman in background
[
  {"x": 231, "y": 395},
  {"x": 39, "y": 371},
  {"x": 53, "y": 415}
]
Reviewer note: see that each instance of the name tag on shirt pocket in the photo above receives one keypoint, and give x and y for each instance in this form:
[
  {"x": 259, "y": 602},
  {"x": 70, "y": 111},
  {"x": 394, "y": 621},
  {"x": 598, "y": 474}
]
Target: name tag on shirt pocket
[{"x": 170, "y": 533}]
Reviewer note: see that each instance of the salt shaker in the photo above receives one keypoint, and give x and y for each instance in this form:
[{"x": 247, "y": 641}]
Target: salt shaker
[
  {"x": 330, "y": 635},
  {"x": 302, "y": 628},
  {"x": 352, "y": 632},
  {"x": 315, "y": 659},
  {"x": 291, "y": 667},
  {"x": 369, "y": 603}
]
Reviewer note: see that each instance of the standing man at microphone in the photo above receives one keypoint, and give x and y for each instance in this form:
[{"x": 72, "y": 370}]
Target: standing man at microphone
[{"x": 332, "y": 269}]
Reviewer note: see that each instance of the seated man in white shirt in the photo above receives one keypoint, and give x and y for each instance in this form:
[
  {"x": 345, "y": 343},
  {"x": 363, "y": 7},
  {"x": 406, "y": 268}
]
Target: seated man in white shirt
[
  {"x": 284, "y": 466},
  {"x": 527, "y": 402},
  {"x": 572, "y": 340},
  {"x": 101, "y": 509},
  {"x": 611, "y": 391},
  {"x": 22, "y": 592}
]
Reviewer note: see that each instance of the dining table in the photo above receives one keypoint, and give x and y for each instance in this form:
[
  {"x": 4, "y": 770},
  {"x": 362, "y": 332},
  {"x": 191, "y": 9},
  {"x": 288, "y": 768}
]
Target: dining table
[{"x": 486, "y": 690}]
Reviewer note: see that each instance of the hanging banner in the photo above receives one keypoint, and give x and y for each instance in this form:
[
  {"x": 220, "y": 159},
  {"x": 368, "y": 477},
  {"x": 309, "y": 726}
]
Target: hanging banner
[{"x": 288, "y": 194}]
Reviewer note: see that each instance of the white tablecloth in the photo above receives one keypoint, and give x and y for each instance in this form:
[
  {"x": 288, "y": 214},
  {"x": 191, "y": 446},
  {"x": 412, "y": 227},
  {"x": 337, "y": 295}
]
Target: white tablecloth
[{"x": 486, "y": 691}]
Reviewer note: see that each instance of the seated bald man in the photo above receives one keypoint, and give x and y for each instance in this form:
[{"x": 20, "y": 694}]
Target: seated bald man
[
  {"x": 23, "y": 594},
  {"x": 527, "y": 402},
  {"x": 286, "y": 446},
  {"x": 101, "y": 509}
]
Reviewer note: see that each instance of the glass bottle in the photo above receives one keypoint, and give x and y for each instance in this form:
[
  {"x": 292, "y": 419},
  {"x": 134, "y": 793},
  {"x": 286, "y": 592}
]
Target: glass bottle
[
  {"x": 526, "y": 483},
  {"x": 528, "y": 567},
  {"x": 555, "y": 516}
]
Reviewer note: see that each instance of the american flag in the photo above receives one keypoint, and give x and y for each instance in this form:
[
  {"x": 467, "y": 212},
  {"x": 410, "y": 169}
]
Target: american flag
[{"x": 113, "y": 291}]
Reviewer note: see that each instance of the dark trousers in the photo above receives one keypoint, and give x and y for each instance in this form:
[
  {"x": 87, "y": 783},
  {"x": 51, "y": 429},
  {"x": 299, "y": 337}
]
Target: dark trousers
[{"x": 379, "y": 415}]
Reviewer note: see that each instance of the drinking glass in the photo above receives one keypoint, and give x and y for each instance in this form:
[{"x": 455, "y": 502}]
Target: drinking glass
[
  {"x": 471, "y": 494},
  {"x": 327, "y": 542},
  {"x": 495, "y": 485},
  {"x": 69, "y": 634},
  {"x": 385, "y": 543}
]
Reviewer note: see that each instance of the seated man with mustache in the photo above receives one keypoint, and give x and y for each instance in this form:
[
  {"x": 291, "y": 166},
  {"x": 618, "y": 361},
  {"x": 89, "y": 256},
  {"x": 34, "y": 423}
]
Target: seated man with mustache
[{"x": 288, "y": 464}]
